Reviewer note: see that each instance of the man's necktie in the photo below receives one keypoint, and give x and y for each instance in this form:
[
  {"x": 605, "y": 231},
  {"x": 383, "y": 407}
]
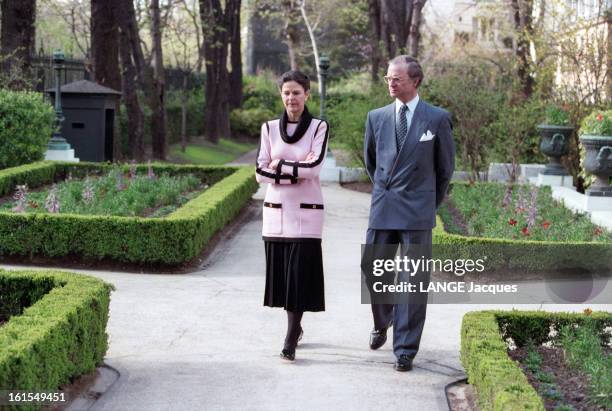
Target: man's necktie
[{"x": 402, "y": 127}]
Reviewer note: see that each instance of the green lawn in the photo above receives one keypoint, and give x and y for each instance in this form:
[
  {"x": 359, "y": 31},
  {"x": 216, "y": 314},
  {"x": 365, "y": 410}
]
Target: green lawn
[{"x": 208, "y": 153}]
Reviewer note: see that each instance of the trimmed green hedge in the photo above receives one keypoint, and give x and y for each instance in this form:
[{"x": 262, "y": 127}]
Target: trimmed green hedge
[
  {"x": 499, "y": 381},
  {"x": 174, "y": 239},
  {"x": 26, "y": 124},
  {"x": 59, "y": 336}
]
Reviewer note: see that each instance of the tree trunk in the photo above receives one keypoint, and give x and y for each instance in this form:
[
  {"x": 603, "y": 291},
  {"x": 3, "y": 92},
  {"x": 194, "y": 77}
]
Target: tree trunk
[
  {"x": 523, "y": 25},
  {"x": 415, "y": 27},
  {"x": 386, "y": 32},
  {"x": 215, "y": 25},
  {"x": 158, "y": 115},
  {"x": 399, "y": 16},
  {"x": 105, "y": 55},
  {"x": 184, "y": 100},
  {"x": 17, "y": 39},
  {"x": 313, "y": 41},
  {"x": 235, "y": 56},
  {"x": 609, "y": 54},
  {"x": 375, "y": 38},
  {"x": 129, "y": 76},
  {"x": 292, "y": 31}
]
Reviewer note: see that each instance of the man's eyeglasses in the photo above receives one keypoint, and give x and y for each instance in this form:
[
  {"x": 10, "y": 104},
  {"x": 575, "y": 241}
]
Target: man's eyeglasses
[{"x": 389, "y": 80}]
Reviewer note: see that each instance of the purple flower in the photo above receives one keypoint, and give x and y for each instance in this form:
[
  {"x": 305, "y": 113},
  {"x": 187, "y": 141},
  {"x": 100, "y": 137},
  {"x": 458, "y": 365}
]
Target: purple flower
[
  {"x": 52, "y": 203},
  {"x": 88, "y": 192},
  {"x": 120, "y": 185},
  {"x": 150, "y": 172},
  {"x": 507, "y": 196},
  {"x": 533, "y": 208},
  {"x": 21, "y": 196},
  {"x": 520, "y": 202},
  {"x": 132, "y": 169}
]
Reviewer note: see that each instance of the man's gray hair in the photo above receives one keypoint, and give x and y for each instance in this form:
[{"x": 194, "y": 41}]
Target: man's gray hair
[{"x": 415, "y": 70}]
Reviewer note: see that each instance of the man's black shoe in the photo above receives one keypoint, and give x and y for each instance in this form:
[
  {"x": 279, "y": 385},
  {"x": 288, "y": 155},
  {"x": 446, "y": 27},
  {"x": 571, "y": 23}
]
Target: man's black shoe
[
  {"x": 288, "y": 355},
  {"x": 403, "y": 363},
  {"x": 378, "y": 338}
]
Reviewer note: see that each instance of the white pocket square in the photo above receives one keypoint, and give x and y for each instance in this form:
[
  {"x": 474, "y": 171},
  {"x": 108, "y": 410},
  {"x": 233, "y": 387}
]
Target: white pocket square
[{"x": 427, "y": 136}]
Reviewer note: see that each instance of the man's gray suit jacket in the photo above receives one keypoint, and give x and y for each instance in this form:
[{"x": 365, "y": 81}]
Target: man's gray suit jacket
[{"x": 411, "y": 184}]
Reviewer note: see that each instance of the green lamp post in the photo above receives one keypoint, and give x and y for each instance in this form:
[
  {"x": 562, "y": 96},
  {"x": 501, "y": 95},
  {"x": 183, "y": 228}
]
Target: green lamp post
[
  {"x": 323, "y": 67},
  {"x": 57, "y": 142}
]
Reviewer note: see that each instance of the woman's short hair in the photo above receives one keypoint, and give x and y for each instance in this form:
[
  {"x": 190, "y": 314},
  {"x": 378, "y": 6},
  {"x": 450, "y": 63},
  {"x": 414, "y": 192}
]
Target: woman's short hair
[
  {"x": 414, "y": 67},
  {"x": 294, "y": 75}
]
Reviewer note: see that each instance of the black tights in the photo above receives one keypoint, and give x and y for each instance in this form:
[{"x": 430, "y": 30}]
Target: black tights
[{"x": 293, "y": 329}]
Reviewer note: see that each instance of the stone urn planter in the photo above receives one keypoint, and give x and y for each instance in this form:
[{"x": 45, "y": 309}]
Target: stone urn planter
[
  {"x": 554, "y": 142},
  {"x": 598, "y": 161}
]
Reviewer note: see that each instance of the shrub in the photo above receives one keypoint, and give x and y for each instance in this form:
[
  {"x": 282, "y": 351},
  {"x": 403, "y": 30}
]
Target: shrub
[
  {"x": 556, "y": 116},
  {"x": 261, "y": 92},
  {"x": 26, "y": 125},
  {"x": 469, "y": 93},
  {"x": 247, "y": 122},
  {"x": 195, "y": 114},
  {"x": 598, "y": 123},
  {"x": 347, "y": 113},
  {"x": 514, "y": 134},
  {"x": 58, "y": 331}
]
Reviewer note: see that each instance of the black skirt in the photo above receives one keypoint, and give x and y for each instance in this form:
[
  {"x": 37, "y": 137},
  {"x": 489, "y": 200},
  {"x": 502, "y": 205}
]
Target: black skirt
[{"x": 294, "y": 275}]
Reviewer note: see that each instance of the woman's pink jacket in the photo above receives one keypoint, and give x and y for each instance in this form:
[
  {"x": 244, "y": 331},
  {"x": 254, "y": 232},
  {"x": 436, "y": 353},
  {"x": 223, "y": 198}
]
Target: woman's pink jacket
[{"x": 293, "y": 206}]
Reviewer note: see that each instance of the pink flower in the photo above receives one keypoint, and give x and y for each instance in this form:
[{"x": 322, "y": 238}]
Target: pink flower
[
  {"x": 150, "y": 172},
  {"x": 132, "y": 169},
  {"x": 598, "y": 231},
  {"x": 52, "y": 203},
  {"x": 599, "y": 117},
  {"x": 21, "y": 196}
]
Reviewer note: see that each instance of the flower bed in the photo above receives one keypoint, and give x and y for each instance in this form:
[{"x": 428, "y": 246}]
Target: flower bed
[
  {"x": 174, "y": 239},
  {"x": 115, "y": 194},
  {"x": 57, "y": 328},
  {"x": 486, "y": 337},
  {"x": 494, "y": 210},
  {"x": 477, "y": 224}
]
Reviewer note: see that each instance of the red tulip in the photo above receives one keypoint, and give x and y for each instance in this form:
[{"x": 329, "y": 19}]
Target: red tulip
[
  {"x": 525, "y": 231},
  {"x": 599, "y": 117},
  {"x": 546, "y": 224},
  {"x": 512, "y": 221}
]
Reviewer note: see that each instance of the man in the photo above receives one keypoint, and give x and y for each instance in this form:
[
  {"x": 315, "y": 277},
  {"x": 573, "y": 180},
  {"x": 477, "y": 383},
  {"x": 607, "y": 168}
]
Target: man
[{"x": 409, "y": 156}]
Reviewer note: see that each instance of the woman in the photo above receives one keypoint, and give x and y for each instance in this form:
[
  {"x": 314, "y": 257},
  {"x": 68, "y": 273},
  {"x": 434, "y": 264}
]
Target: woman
[{"x": 290, "y": 158}]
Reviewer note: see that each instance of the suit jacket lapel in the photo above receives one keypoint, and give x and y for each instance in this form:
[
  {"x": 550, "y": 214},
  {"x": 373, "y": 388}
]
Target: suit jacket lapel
[
  {"x": 416, "y": 130},
  {"x": 388, "y": 127}
]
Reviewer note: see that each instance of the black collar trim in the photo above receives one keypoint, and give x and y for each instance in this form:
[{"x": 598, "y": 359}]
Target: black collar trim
[{"x": 302, "y": 126}]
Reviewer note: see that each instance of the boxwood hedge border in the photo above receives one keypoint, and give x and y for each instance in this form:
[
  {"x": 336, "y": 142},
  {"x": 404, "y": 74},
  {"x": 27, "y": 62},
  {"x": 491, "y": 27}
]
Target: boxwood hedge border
[
  {"x": 171, "y": 240},
  {"x": 498, "y": 380},
  {"x": 61, "y": 335}
]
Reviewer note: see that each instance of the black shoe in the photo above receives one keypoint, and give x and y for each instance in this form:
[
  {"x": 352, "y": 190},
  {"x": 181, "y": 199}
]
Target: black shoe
[
  {"x": 403, "y": 363},
  {"x": 288, "y": 355},
  {"x": 378, "y": 338},
  {"x": 301, "y": 335}
]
